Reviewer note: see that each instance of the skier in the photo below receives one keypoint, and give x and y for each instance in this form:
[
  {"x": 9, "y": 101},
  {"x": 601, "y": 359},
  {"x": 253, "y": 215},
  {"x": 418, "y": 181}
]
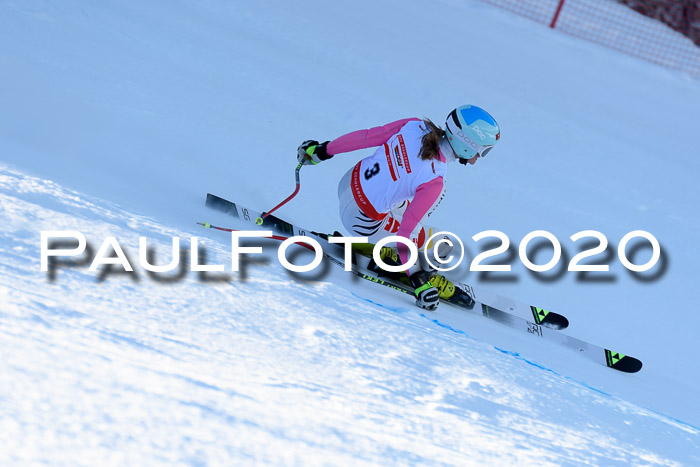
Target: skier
[{"x": 393, "y": 191}]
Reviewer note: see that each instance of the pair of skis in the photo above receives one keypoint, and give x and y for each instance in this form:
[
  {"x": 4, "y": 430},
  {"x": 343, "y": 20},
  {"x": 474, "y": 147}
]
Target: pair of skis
[{"x": 538, "y": 322}]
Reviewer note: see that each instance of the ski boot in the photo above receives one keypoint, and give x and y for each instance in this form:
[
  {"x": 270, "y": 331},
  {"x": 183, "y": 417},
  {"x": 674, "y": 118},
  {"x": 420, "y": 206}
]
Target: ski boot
[
  {"x": 444, "y": 286},
  {"x": 387, "y": 254}
]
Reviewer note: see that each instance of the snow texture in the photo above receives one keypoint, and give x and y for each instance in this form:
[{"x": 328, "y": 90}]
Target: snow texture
[{"x": 118, "y": 117}]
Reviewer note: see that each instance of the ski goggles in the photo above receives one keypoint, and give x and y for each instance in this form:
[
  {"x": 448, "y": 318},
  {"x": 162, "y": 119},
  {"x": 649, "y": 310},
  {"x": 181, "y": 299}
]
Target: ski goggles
[{"x": 485, "y": 150}]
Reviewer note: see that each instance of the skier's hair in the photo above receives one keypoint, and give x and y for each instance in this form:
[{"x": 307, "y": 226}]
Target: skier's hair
[{"x": 430, "y": 142}]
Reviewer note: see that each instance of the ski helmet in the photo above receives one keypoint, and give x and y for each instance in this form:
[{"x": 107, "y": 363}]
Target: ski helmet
[{"x": 471, "y": 132}]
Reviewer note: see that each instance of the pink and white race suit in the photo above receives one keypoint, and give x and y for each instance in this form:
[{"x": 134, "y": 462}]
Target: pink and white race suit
[{"x": 394, "y": 190}]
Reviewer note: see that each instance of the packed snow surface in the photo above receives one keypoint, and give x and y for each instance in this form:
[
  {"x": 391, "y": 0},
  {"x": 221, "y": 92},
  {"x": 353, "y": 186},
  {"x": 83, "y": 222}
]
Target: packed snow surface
[{"x": 118, "y": 117}]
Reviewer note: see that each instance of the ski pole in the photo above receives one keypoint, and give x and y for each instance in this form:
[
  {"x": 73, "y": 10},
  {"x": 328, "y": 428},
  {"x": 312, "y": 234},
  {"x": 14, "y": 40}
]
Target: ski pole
[
  {"x": 399, "y": 287},
  {"x": 259, "y": 220},
  {"x": 207, "y": 225}
]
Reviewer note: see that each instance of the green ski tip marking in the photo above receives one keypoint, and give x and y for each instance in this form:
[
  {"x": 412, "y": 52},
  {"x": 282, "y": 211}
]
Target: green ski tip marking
[
  {"x": 539, "y": 314},
  {"x": 622, "y": 362},
  {"x": 613, "y": 357}
]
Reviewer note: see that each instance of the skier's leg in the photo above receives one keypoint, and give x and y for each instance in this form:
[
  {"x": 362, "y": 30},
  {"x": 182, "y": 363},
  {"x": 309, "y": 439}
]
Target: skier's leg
[
  {"x": 356, "y": 222},
  {"x": 420, "y": 236},
  {"x": 359, "y": 224}
]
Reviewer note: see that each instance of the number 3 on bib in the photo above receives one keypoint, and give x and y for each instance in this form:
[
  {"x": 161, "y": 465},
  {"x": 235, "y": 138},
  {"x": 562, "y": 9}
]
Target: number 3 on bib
[{"x": 369, "y": 173}]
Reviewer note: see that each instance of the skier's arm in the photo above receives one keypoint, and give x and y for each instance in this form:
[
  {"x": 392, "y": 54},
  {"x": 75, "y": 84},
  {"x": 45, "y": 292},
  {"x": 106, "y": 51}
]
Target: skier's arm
[
  {"x": 362, "y": 139},
  {"x": 427, "y": 197}
]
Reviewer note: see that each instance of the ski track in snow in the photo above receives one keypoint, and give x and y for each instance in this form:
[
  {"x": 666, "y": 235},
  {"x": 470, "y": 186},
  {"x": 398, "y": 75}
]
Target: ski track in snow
[{"x": 122, "y": 370}]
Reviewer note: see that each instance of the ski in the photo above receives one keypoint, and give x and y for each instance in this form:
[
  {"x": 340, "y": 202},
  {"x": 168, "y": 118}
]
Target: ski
[
  {"x": 538, "y": 315},
  {"x": 465, "y": 297},
  {"x": 400, "y": 287}
]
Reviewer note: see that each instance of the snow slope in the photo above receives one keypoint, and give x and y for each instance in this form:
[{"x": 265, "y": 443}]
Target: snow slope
[{"x": 118, "y": 118}]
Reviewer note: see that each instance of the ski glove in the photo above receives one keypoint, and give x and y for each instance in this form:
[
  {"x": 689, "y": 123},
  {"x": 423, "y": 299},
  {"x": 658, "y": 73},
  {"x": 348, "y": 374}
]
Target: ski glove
[
  {"x": 312, "y": 152},
  {"x": 427, "y": 296}
]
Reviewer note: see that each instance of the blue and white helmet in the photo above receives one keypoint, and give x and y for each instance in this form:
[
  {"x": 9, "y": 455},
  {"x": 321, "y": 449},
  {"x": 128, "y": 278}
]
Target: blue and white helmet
[{"x": 471, "y": 131}]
